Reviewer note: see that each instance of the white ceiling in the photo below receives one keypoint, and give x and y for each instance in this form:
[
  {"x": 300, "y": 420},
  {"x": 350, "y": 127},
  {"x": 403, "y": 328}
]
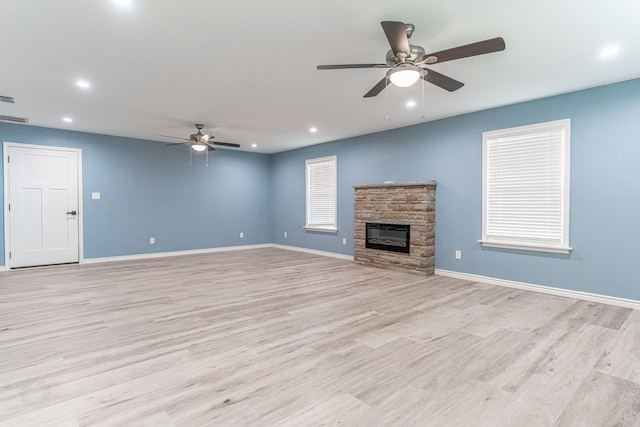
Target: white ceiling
[{"x": 247, "y": 68}]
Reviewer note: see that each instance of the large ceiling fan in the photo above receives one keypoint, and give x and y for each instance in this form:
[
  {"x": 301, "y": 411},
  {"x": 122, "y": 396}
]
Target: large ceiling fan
[
  {"x": 200, "y": 142},
  {"x": 407, "y": 61}
]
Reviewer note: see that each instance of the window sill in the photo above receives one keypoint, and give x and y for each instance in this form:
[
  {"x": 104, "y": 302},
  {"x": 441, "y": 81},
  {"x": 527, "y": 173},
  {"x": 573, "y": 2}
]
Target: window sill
[
  {"x": 525, "y": 246},
  {"x": 321, "y": 229}
]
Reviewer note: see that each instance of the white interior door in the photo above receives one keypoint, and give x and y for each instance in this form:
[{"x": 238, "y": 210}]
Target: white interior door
[{"x": 43, "y": 206}]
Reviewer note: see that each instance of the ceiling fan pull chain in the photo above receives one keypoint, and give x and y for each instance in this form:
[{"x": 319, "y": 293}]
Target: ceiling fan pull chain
[
  {"x": 386, "y": 99},
  {"x": 422, "y": 116},
  {"x": 206, "y": 157},
  {"x": 190, "y": 156}
]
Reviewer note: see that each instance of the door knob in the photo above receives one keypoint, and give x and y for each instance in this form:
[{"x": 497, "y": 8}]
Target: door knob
[{"x": 72, "y": 213}]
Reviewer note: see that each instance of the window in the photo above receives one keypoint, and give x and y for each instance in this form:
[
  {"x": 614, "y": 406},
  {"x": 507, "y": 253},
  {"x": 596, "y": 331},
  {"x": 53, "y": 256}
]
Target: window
[
  {"x": 525, "y": 187},
  {"x": 321, "y": 194}
]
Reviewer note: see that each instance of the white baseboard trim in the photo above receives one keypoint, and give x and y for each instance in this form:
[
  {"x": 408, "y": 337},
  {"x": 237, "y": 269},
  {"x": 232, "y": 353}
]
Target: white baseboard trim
[
  {"x": 314, "y": 251},
  {"x": 211, "y": 250},
  {"x": 153, "y": 255},
  {"x": 586, "y": 296},
  {"x": 173, "y": 253}
]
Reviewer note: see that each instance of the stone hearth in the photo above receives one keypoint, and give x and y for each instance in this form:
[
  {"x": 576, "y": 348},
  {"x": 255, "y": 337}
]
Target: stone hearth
[{"x": 398, "y": 203}]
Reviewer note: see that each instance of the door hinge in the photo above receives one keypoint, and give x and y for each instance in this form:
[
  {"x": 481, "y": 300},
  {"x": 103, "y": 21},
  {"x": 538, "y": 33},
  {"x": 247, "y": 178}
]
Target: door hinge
[
  {"x": 8, "y": 159},
  {"x": 9, "y": 207},
  {"x": 9, "y": 255}
]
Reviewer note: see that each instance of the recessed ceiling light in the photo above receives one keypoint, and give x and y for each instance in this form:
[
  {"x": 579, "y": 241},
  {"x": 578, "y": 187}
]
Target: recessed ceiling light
[
  {"x": 609, "y": 52},
  {"x": 254, "y": 145},
  {"x": 83, "y": 84},
  {"x": 67, "y": 119},
  {"x": 411, "y": 103},
  {"x": 313, "y": 130}
]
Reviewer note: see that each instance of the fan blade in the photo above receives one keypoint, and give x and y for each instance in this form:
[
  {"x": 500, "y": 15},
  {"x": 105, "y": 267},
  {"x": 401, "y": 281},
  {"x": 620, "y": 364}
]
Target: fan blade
[
  {"x": 226, "y": 144},
  {"x": 396, "y": 33},
  {"x": 377, "y": 88},
  {"x": 343, "y": 66},
  {"x": 442, "y": 81},
  {"x": 473, "y": 49},
  {"x": 177, "y": 143},
  {"x": 174, "y": 137},
  {"x": 210, "y": 148}
]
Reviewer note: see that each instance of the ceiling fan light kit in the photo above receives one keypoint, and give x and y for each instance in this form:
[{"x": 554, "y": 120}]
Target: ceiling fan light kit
[
  {"x": 199, "y": 147},
  {"x": 404, "y": 75},
  {"x": 407, "y": 61}
]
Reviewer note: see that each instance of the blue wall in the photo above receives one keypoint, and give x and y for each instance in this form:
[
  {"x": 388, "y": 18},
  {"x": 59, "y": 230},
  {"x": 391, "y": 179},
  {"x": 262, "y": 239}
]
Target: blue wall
[
  {"x": 605, "y": 189},
  {"x": 148, "y": 189}
]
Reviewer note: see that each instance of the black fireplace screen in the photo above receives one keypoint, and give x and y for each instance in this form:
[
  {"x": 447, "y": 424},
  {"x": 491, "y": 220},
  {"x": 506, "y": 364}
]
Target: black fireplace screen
[{"x": 388, "y": 237}]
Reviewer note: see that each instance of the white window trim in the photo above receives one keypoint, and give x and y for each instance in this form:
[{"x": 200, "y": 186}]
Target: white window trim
[
  {"x": 321, "y": 229},
  {"x": 325, "y": 228},
  {"x": 563, "y": 246}
]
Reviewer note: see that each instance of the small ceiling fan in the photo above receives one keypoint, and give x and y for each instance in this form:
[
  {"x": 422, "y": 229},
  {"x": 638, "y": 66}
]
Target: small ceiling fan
[
  {"x": 407, "y": 61},
  {"x": 200, "y": 142}
]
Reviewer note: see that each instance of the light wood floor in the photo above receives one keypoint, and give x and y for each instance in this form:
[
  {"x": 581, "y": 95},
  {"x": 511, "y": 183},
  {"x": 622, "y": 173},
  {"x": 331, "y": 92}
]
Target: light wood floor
[{"x": 270, "y": 337}]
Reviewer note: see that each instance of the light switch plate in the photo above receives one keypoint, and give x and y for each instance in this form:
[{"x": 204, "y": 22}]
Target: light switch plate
[{"x": 95, "y": 196}]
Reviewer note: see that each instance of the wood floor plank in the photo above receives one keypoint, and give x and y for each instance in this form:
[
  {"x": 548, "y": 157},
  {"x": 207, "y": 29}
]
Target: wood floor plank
[
  {"x": 622, "y": 359},
  {"x": 623, "y": 410},
  {"x": 270, "y": 337}
]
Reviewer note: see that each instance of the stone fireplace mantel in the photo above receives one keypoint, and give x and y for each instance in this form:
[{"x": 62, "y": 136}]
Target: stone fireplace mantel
[{"x": 410, "y": 203}]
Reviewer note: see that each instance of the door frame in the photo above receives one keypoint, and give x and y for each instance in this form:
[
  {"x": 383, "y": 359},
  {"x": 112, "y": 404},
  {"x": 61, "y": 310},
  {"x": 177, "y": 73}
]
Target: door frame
[{"x": 7, "y": 224}]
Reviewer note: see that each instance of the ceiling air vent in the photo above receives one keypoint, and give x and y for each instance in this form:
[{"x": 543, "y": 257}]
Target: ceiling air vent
[
  {"x": 14, "y": 119},
  {"x": 7, "y": 99}
]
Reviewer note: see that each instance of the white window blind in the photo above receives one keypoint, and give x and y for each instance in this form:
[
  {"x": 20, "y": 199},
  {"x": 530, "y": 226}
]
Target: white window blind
[
  {"x": 321, "y": 194},
  {"x": 526, "y": 187}
]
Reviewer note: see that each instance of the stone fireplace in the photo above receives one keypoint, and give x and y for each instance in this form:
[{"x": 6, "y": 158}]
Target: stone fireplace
[{"x": 385, "y": 215}]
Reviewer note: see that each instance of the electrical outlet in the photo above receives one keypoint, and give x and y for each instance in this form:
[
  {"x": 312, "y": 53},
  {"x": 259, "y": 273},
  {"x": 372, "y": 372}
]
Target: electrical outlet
[
  {"x": 285, "y": 234},
  {"x": 241, "y": 235},
  {"x": 152, "y": 240},
  {"x": 344, "y": 241},
  {"x": 458, "y": 254}
]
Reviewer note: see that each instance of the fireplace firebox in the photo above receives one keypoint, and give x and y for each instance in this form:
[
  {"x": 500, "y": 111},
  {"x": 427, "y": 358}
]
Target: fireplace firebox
[{"x": 388, "y": 237}]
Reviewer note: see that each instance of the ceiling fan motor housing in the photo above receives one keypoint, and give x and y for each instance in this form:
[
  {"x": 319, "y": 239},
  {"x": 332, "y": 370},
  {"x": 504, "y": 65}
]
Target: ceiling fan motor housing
[{"x": 415, "y": 54}]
